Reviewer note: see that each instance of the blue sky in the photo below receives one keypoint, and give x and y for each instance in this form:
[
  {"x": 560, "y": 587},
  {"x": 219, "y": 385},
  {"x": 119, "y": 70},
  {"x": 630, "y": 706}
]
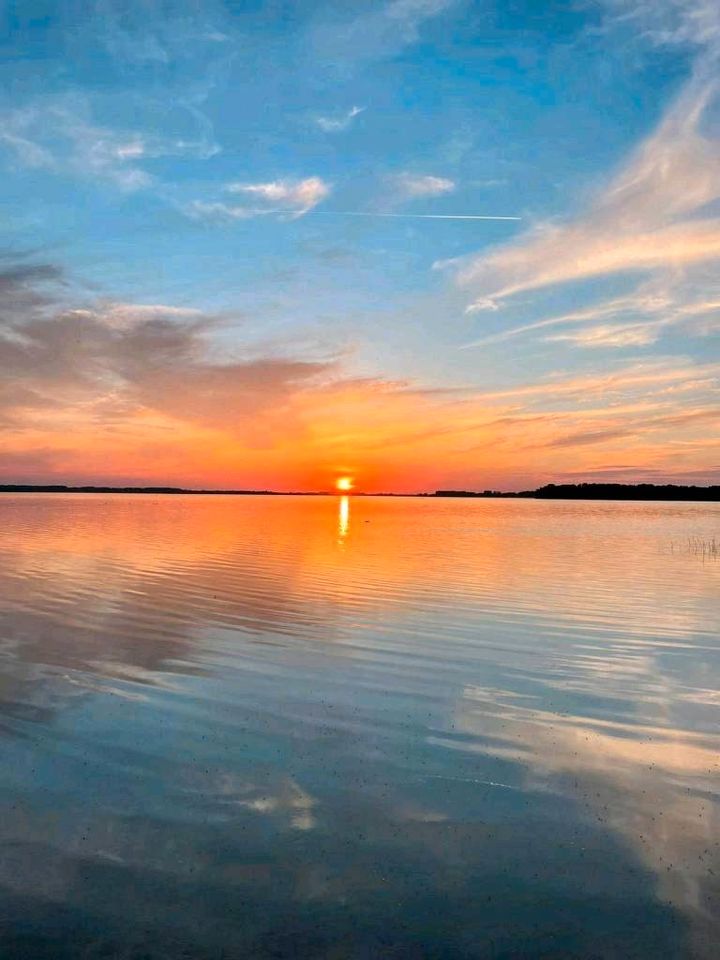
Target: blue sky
[{"x": 285, "y": 170}]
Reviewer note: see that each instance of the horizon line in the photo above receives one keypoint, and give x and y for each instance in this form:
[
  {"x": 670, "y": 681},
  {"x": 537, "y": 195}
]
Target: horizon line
[{"x": 577, "y": 488}]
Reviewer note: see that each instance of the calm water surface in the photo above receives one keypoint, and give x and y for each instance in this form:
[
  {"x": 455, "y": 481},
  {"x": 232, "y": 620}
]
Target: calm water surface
[{"x": 378, "y": 728}]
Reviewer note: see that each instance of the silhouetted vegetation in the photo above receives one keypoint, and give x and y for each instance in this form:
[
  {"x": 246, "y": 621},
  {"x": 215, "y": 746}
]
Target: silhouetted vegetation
[
  {"x": 600, "y": 491},
  {"x": 704, "y": 547},
  {"x": 625, "y": 491}
]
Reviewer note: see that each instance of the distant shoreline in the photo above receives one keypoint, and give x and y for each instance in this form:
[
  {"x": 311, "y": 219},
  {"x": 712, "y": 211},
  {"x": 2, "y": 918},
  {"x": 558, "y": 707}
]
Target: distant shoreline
[{"x": 573, "y": 491}]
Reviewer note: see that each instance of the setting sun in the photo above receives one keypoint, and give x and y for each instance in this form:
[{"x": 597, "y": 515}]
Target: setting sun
[{"x": 344, "y": 484}]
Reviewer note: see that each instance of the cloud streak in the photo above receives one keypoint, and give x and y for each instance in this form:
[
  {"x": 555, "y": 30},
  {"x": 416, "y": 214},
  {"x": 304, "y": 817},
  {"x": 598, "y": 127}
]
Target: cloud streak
[{"x": 639, "y": 319}]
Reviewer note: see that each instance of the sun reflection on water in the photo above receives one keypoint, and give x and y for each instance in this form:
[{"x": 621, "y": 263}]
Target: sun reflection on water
[{"x": 343, "y": 518}]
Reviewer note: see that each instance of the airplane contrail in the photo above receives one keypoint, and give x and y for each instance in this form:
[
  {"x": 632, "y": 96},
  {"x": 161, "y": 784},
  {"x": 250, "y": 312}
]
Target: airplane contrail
[{"x": 415, "y": 216}]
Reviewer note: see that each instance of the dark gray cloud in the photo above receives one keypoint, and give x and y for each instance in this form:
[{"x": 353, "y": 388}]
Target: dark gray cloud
[{"x": 116, "y": 359}]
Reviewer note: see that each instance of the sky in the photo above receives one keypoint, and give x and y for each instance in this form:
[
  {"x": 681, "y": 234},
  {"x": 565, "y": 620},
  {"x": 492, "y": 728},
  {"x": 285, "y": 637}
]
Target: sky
[{"x": 421, "y": 243}]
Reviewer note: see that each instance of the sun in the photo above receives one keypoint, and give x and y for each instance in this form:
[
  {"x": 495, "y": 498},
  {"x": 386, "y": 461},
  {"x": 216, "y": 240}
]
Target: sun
[{"x": 344, "y": 484}]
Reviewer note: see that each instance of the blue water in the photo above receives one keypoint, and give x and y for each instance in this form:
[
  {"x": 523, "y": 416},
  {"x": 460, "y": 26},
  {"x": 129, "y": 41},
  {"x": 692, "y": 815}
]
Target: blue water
[{"x": 343, "y": 729}]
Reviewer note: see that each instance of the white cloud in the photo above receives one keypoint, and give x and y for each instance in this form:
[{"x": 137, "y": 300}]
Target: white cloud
[
  {"x": 338, "y": 122},
  {"x": 419, "y": 185},
  {"x": 297, "y": 195},
  {"x": 291, "y": 198}
]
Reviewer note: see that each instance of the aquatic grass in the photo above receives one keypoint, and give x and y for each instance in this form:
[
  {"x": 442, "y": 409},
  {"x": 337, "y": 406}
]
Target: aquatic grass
[{"x": 704, "y": 547}]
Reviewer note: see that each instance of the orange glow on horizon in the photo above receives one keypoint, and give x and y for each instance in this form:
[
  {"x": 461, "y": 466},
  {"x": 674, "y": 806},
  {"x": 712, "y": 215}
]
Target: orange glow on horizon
[{"x": 394, "y": 439}]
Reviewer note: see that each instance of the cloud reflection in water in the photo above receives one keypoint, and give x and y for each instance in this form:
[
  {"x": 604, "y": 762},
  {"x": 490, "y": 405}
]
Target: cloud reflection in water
[{"x": 469, "y": 726}]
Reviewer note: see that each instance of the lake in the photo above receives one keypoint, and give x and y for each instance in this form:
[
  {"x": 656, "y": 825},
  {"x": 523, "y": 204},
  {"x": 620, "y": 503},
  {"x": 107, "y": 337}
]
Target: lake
[{"x": 354, "y": 728}]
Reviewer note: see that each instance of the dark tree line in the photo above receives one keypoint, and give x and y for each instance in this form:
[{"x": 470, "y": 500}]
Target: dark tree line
[{"x": 601, "y": 491}]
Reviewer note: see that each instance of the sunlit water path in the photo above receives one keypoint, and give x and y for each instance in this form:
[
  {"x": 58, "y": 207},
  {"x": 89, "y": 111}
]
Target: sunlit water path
[{"x": 353, "y": 728}]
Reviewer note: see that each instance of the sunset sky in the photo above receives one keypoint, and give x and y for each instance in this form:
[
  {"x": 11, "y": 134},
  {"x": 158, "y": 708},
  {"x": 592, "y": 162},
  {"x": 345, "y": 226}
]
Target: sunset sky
[{"x": 246, "y": 246}]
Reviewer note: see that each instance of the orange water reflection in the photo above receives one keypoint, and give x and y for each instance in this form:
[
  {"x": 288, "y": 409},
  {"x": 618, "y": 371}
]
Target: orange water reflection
[{"x": 560, "y": 649}]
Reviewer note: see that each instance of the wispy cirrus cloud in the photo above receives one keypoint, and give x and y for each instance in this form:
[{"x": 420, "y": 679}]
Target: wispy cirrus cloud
[
  {"x": 143, "y": 34},
  {"x": 694, "y": 23},
  {"x": 159, "y": 65},
  {"x": 60, "y": 135},
  {"x": 650, "y": 216},
  {"x": 381, "y": 31},
  {"x": 657, "y": 217},
  {"x": 599, "y": 311}
]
